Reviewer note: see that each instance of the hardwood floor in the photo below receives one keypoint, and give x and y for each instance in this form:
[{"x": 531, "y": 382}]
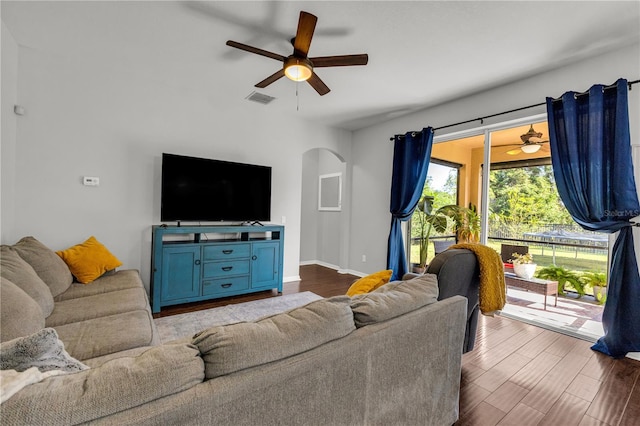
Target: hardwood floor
[
  {"x": 517, "y": 374},
  {"x": 525, "y": 375}
]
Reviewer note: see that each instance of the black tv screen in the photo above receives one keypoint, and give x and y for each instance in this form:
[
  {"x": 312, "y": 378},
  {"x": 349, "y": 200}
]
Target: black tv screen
[{"x": 200, "y": 189}]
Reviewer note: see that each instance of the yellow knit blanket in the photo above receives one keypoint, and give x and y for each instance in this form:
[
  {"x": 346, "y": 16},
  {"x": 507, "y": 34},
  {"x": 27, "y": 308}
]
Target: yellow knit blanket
[{"x": 493, "y": 290}]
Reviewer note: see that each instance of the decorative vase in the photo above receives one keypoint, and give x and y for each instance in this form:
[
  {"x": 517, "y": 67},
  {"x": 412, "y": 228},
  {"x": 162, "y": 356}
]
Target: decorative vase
[{"x": 524, "y": 270}]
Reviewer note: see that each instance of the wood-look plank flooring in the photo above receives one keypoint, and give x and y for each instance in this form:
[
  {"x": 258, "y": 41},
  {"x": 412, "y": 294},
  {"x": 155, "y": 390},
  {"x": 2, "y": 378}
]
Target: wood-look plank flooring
[{"x": 517, "y": 374}]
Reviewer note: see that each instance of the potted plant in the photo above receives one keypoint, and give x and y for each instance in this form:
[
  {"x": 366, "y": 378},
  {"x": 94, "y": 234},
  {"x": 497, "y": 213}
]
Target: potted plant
[
  {"x": 427, "y": 222},
  {"x": 597, "y": 280},
  {"x": 563, "y": 276},
  {"x": 466, "y": 222},
  {"x": 523, "y": 265}
]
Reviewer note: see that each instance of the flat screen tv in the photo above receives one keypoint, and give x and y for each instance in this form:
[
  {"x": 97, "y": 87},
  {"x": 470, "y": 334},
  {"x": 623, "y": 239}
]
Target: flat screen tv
[{"x": 200, "y": 189}]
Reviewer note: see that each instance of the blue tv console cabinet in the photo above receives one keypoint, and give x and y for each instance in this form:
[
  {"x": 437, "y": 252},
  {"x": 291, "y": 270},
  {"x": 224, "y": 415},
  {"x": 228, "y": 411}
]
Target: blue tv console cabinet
[{"x": 201, "y": 262}]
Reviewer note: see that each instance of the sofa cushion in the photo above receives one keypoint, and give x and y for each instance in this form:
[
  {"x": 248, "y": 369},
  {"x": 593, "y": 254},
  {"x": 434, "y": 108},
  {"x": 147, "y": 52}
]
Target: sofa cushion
[
  {"x": 234, "y": 347},
  {"x": 105, "y": 335},
  {"x": 89, "y": 260},
  {"x": 115, "y": 281},
  {"x": 47, "y": 264},
  {"x": 19, "y": 272},
  {"x": 20, "y": 315},
  {"x": 394, "y": 299},
  {"x": 370, "y": 282},
  {"x": 41, "y": 349},
  {"x": 96, "y": 306},
  {"x": 117, "y": 385}
]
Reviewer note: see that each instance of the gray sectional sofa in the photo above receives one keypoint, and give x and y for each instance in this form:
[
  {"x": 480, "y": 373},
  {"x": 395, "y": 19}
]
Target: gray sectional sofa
[{"x": 392, "y": 356}]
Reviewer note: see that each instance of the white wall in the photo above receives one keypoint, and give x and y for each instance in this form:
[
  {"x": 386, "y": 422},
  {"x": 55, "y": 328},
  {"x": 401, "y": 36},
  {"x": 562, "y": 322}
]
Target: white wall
[
  {"x": 309, "y": 209},
  {"x": 373, "y": 152},
  {"x": 8, "y": 88},
  {"x": 95, "y": 119}
]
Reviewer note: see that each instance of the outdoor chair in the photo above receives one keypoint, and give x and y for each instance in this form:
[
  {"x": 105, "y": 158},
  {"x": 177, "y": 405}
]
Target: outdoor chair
[{"x": 507, "y": 250}]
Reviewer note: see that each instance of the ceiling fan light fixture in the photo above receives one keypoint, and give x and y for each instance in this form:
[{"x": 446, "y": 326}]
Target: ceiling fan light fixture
[
  {"x": 530, "y": 148},
  {"x": 297, "y": 69}
]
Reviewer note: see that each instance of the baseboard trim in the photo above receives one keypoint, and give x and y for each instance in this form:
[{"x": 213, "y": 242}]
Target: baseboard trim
[
  {"x": 291, "y": 279},
  {"x": 334, "y": 267},
  {"x": 320, "y": 263},
  {"x": 352, "y": 272}
]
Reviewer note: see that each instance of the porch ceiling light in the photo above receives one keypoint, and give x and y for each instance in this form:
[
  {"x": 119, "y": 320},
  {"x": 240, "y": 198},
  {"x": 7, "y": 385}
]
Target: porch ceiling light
[{"x": 530, "y": 148}]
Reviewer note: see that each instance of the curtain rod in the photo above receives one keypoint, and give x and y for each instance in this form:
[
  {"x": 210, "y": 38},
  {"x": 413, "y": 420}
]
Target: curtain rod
[{"x": 481, "y": 119}]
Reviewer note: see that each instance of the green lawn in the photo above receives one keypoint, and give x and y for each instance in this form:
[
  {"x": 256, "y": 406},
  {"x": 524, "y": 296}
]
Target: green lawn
[{"x": 565, "y": 257}]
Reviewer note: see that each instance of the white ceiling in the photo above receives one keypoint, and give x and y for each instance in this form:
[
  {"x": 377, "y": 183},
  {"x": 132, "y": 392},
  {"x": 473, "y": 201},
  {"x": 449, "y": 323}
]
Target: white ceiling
[{"x": 421, "y": 53}]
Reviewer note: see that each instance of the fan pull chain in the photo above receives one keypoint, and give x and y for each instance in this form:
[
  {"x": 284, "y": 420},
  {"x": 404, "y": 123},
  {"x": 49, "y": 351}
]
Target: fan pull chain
[{"x": 297, "y": 97}]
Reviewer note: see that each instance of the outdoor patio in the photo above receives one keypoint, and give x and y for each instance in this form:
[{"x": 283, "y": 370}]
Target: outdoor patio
[{"x": 576, "y": 317}]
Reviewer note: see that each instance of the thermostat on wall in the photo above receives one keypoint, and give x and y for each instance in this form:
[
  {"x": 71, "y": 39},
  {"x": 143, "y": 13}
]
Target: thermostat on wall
[{"x": 90, "y": 181}]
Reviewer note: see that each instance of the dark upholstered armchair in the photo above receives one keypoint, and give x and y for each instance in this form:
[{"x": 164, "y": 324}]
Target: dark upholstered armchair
[{"x": 458, "y": 274}]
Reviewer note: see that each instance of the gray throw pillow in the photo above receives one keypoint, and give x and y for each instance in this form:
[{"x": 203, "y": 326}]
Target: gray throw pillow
[
  {"x": 42, "y": 350},
  {"x": 20, "y": 315},
  {"x": 230, "y": 348},
  {"x": 394, "y": 299},
  {"x": 19, "y": 272},
  {"x": 47, "y": 264}
]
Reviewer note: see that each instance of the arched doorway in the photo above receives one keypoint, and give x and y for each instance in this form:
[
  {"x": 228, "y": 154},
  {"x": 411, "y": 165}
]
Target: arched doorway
[{"x": 323, "y": 232}]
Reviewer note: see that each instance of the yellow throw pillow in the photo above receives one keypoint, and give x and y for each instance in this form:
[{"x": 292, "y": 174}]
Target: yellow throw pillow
[
  {"x": 89, "y": 260},
  {"x": 370, "y": 282}
]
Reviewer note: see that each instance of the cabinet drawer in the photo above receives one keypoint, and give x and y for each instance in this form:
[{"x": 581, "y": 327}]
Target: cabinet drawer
[
  {"x": 226, "y": 251},
  {"x": 224, "y": 285},
  {"x": 225, "y": 268}
]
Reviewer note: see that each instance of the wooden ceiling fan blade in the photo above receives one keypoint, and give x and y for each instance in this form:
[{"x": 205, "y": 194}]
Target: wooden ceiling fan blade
[
  {"x": 340, "y": 60},
  {"x": 272, "y": 78},
  {"x": 255, "y": 50},
  {"x": 304, "y": 34},
  {"x": 318, "y": 84}
]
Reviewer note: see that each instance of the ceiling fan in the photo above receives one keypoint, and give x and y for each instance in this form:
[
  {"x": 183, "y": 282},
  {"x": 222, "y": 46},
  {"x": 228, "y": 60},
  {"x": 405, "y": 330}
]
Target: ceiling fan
[
  {"x": 531, "y": 143},
  {"x": 298, "y": 66}
]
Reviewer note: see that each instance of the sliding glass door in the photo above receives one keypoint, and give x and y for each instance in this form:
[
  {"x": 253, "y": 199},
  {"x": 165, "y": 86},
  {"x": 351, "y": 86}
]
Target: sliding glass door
[{"x": 504, "y": 173}]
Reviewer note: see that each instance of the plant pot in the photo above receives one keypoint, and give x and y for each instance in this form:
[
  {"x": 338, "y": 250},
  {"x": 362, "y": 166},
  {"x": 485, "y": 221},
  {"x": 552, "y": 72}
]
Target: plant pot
[
  {"x": 417, "y": 269},
  {"x": 524, "y": 270},
  {"x": 600, "y": 294}
]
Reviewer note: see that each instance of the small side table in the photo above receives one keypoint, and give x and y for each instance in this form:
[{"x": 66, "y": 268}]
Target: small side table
[{"x": 534, "y": 285}]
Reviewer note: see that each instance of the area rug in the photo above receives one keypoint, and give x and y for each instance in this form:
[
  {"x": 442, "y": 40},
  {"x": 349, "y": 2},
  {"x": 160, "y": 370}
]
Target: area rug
[{"x": 185, "y": 325}]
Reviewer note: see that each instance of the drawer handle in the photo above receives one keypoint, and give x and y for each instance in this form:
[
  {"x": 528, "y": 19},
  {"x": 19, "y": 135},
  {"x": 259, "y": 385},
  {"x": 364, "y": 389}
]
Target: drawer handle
[
  {"x": 227, "y": 251},
  {"x": 254, "y": 257},
  {"x": 226, "y": 285},
  {"x": 227, "y": 268},
  {"x": 197, "y": 262}
]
